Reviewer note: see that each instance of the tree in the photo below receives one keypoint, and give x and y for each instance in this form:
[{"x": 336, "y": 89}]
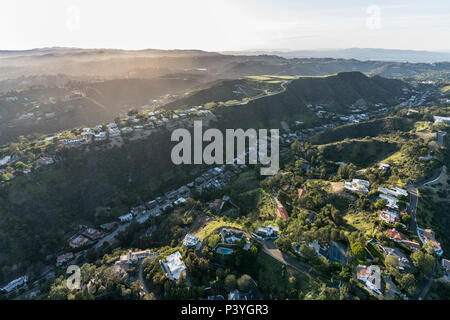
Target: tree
[
  {"x": 284, "y": 244},
  {"x": 296, "y": 147},
  {"x": 380, "y": 204},
  {"x": 282, "y": 196},
  {"x": 308, "y": 252},
  {"x": 391, "y": 263},
  {"x": 408, "y": 283},
  {"x": 423, "y": 261},
  {"x": 213, "y": 240},
  {"x": 245, "y": 283},
  {"x": 20, "y": 165},
  {"x": 230, "y": 282},
  {"x": 406, "y": 218},
  {"x": 358, "y": 251}
]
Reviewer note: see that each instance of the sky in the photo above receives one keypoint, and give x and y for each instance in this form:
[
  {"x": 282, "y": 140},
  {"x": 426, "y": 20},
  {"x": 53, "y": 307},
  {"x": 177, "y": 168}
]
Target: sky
[{"x": 223, "y": 25}]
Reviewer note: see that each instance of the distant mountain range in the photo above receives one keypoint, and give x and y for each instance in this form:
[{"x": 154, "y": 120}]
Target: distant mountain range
[{"x": 362, "y": 54}]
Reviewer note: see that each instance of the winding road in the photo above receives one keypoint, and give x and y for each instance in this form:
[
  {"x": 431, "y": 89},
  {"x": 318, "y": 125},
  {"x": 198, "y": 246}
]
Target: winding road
[
  {"x": 425, "y": 285},
  {"x": 270, "y": 249}
]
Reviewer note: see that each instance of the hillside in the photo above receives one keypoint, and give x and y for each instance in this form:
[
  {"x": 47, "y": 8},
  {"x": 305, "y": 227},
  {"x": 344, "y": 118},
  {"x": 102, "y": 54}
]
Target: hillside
[
  {"x": 225, "y": 90},
  {"x": 32, "y": 112},
  {"x": 51, "y": 202},
  {"x": 337, "y": 92},
  {"x": 370, "y": 128}
]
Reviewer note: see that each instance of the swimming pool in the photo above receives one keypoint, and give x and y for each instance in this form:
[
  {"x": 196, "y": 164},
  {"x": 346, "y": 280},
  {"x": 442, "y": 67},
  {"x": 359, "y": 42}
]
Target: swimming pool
[{"x": 223, "y": 250}]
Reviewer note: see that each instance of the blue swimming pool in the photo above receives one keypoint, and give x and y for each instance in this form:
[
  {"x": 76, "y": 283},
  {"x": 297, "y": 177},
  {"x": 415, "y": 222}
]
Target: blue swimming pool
[{"x": 223, "y": 250}]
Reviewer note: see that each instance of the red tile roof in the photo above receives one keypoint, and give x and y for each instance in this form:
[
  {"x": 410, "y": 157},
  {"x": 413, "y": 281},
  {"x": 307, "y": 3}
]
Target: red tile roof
[
  {"x": 411, "y": 244},
  {"x": 282, "y": 213},
  {"x": 395, "y": 235}
]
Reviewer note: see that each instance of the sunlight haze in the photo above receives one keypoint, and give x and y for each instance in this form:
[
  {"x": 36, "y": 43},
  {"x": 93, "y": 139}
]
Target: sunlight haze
[{"x": 223, "y": 25}]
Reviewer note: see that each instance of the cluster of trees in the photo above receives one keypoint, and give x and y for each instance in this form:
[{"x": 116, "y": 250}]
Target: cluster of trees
[{"x": 99, "y": 283}]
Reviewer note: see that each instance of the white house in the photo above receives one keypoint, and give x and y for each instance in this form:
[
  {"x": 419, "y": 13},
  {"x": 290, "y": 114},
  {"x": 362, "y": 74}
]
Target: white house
[
  {"x": 173, "y": 266},
  {"x": 126, "y": 217},
  {"x": 15, "y": 284},
  {"x": 371, "y": 276},
  {"x": 190, "y": 240},
  {"x": 357, "y": 185}
]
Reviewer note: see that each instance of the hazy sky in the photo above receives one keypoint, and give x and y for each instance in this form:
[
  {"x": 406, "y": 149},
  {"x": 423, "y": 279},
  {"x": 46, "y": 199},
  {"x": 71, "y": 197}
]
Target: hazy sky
[{"x": 225, "y": 24}]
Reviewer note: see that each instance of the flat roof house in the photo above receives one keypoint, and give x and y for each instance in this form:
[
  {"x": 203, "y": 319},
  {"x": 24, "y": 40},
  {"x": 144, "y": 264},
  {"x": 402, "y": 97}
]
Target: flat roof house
[
  {"x": 173, "y": 266},
  {"x": 126, "y": 217},
  {"x": 190, "y": 240},
  {"x": 428, "y": 235},
  {"x": 63, "y": 258},
  {"x": 15, "y": 283},
  {"x": 231, "y": 236},
  {"x": 265, "y": 233},
  {"x": 78, "y": 241},
  {"x": 357, "y": 185},
  {"x": 371, "y": 276},
  {"x": 92, "y": 233}
]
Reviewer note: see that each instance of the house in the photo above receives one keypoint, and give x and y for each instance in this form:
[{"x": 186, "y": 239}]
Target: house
[
  {"x": 152, "y": 204},
  {"x": 64, "y": 258},
  {"x": 403, "y": 263},
  {"x": 126, "y": 130},
  {"x": 114, "y": 132},
  {"x": 266, "y": 233},
  {"x": 389, "y": 215},
  {"x": 179, "y": 201},
  {"x": 111, "y": 126},
  {"x": 126, "y": 217},
  {"x": 446, "y": 265},
  {"x": 217, "y": 205},
  {"x": 216, "y": 297},
  {"x": 410, "y": 244},
  {"x": 101, "y": 136},
  {"x": 190, "y": 240},
  {"x": 231, "y": 236},
  {"x": 428, "y": 235},
  {"x": 395, "y": 235},
  {"x": 302, "y": 192},
  {"x": 357, "y": 185},
  {"x": 438, "y": 119},
  {"x": 166, "y": 205},
  {"x": 78, "y": 241},
  {"x": 282, "y": 213},
  {"x": 45, "y": 161},
  {"x": 132, "y": 257},
  {"x": 109, "y": 226},
  {"x": 391, "y": 202},
  {"x": 87, "y": 132},
  {"x": 237, "y": 295},
  {"x": 171, "y": 194},
  {"x": 15, "y": 284},
  {"x": 371, "y": 276},
  {"x": 173, "y": 266},
  {"x": 5, "y": 160},
  {"x": 184, "y": 191},
  {"x": 395, "y": 192},
  {"x": 92, "y": 233},
  {"x": 321, "y": 251}
]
